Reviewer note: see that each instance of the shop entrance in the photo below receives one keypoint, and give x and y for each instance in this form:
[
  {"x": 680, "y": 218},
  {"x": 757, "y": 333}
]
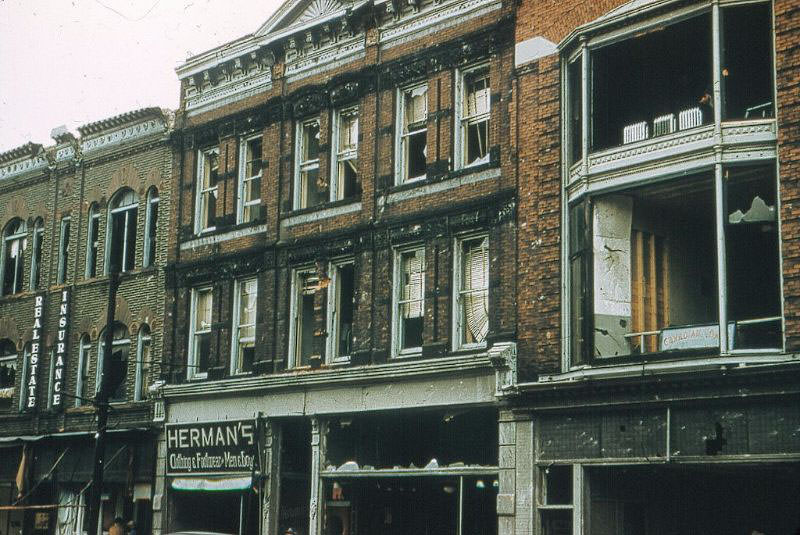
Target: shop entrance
[{"x": 227, "y": 512}]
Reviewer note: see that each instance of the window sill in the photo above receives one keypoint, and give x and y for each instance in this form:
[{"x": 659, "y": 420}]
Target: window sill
[
  {"x": 442, "y": 183},
  {"x": 321, "y": 206},
  {"x": 321, "y": 211}
]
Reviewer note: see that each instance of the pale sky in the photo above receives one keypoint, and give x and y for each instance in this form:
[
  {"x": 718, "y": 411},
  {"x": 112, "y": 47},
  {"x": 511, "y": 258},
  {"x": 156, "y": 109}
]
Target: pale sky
[{"x": 72, "y": 62}]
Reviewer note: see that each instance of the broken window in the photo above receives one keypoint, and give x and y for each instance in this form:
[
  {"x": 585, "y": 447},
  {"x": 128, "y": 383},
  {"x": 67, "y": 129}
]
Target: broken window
[
  {"x": 92, "y": 241},
  {"x": 654, "y": 83},
  {"x": 8, "y": 372},
  {"x": 200, "y": 332},
  {"x": 122, "y": 215},
  {"x": 472, "y": 298},
  {"x": 244, "y": 325},
  {"x": 15, "y": 242},
  {"x": 305, "y": 286},
  {"x": 413, "y": 133},
  {"x": 474, "y": 117},
  {"x": 151, "y": 225},
  {"x": 309, "y": 184},
  {"x": 346, "y": 183},
  {"x": 341, "y": 294},
  {"x": 117, "y": 368},
  {"x": 747, "y": 66},
  {"x": 555, "y": 502},
  {"x": 143, "y": 363},
  {"x": 409, "y": 310},
  {"x": 63, "y": 251},
  {"x": 654, "y": 279},
  {"x": 250, "y": 169},
  {"x": 206, "y": 200},
  {"x": 575, "y": 96},
  {"x": 36, "y": 261},
  {"x": 82, "y": 377}
]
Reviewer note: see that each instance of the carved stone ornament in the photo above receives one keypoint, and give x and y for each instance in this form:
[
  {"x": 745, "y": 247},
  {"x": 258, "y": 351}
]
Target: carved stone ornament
[
  {"x": 345, "y": 92},
  {"x": 309, "y": 104}
]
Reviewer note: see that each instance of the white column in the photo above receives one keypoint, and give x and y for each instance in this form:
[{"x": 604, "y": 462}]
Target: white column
[{"x": 319, "y": 429}]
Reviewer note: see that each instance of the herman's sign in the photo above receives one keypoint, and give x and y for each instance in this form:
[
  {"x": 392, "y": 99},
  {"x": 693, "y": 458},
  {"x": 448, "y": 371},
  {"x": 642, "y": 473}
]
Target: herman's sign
[{"x": 211, "y": 447}]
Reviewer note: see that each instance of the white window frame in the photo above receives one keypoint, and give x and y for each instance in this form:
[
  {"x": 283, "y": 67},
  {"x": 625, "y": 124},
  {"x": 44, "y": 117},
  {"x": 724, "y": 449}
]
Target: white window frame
[
  {"x": 13, "y": 360},
  {"x": 302, "y": 166},
  {"x": 334, "y": 305},
  {"x": 191, "y": 357},
  {"x": 199, "y": 214},
  {"x": 149, "y": 252},
  {"x": 125, "y": 237},
  {"x": 84, "y": 361},
  {"x": 92, "y": 242},
  {"x": 397, "y": 301},
  {"x": 401, "y": 136},
  {"x": 22, "y": 238},
  {"x": 463, "y": 121},
  {"x": 36, "y": 267},
  {"x": 459, "y": 292},
  {"x": 295, "y": 329},
  {"x": 144, "y": 337},
  {"x": 101, "y": 357},
  {"x": 339, "y": 156},
  {"x": 63, "y": 251},
  {"x": 236, "y": 326},
  {"x": 244, "y": 179}
]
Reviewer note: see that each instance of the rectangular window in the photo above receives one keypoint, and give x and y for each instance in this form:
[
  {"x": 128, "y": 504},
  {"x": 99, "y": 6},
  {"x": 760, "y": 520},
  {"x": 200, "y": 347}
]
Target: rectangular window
[
  {"x": 575, "y": 96},
  {"x": 341, "y": 307},
  {"x": 244, "y": 325},
  {"x": 200, "y": 333},
  {"x": 63, "y": 251},
  {"x": 409, "y": 299},
  {"x": 473, "y": 142},
  {"x": 344, "y": 151},
  {"x": 412, "y": 139},
  {"x": 250, "y": 168},
  {"x": 36, "y": 262},
  {"x": 555, "y": 501},
  {"x": 151, "y": 225},
  {"x": 304, "y": 286},
  {"x": 143, "y": 364},
  {"x": 309, "y": 190},
  {"x": 206, "y": 202},
  {"x": 84, "y": 358},
  {"x": 472, "y": 295},
  {"x": 15, "y": 243},
  {"x": 92, "y": 243}
]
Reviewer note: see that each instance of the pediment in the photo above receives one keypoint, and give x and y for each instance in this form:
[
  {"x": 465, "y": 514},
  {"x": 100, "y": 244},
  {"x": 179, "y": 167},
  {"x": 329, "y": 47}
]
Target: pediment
[{"x": 302, "y": 13}]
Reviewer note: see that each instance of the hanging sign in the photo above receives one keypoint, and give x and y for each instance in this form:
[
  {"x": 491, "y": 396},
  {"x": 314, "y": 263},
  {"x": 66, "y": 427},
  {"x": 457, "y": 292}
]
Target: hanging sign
[
  {"x": 62, "y": 346},
  {"x": 31, "y": 378},
  {"x": 211, "y": 447}
]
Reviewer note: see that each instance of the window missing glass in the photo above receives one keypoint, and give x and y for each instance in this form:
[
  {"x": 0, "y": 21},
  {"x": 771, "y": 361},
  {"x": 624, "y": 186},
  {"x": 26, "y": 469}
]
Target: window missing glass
[
  {"x": 117, "y": 367},
  {"x": 122, "y": 215},
  {"x": 200, "y": 332},
  {"x": 8, "y": 372},
  {"x": 82, "y": 377},
  {"x": 250, "y": 168},
  {"x": 207, "y": 189},
  {"x": 475, "y": 106},
  {"x": 341, "y": 295},
  {"x": 413, "y": 133},
  {"x": 36, "y": 260},
  {"x": 151, "y": 226},
  {"x": 92, "y": 241},
  {"x": 15, "y": 242},
  {"x": 63, "y": 251},
  {"x": 409, "y": 310},
  {"x": 309, "y": 185},
  {"x": 472, "y": 298},
  {"x": 244, "y": 325},
  {"x": 305, "y": 286},
  {"x": 143, "y": 363},
  {"x": 346, "y": 181}
]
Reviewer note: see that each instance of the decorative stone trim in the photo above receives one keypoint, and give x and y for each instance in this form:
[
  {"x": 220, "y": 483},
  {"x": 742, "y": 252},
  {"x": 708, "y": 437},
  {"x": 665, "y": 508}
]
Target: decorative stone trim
[
  {"x": 24, "y": 166},
  {"x": 503, "y": 356},
  {"x": 230, "y": 91},
  {"x": 439, "y": 187},
  {"x": 320, "y": 214},
  {"x": 218, "y": 238},
  {"x": 437, "y": 14},
  {"x": 124, "y": 135},
  {"x": 328, "y": 57},
  {"x": 650, "y": 146}
]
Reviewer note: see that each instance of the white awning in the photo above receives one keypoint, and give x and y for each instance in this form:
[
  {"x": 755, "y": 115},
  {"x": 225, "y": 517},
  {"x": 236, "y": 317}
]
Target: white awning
[{"x": 212, "y": 484}]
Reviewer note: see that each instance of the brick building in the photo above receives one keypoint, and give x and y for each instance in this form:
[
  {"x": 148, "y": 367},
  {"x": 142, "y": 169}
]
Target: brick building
[
  {"x": 70, "y": 214},
  {"x": 341, "y": 287},
  {"x": 658, "y": 389}
]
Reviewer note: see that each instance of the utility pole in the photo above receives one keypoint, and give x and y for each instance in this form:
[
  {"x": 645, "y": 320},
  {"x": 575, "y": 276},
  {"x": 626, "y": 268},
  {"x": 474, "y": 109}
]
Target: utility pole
[{"x": 101, "y": 409}]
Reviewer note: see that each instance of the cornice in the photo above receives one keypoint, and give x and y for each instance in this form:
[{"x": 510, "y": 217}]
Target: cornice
[{"x": 135, "y": 116}]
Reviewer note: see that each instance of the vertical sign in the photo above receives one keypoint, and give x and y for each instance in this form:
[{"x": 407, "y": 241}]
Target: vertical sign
[
  {"x": 31, "y": 385},
  {"x": 57, "y": 399}
]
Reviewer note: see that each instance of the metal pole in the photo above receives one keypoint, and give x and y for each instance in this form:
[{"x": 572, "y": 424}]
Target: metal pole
[{"x": 101, "y": 408}]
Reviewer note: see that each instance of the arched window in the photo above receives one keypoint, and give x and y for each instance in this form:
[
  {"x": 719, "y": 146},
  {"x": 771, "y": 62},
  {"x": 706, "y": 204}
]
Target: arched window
[
  {"x": 8, "y": 372},
  {"x": 15, "y": 241},
  {"x": 143, "y": 363},
  {"x": 151, "y": 224},
  {"x": 121, "y": 238},
  {"x": 84, "y": 361},
  {"x": 117, "y": 368},
  {"x": 92, "y": 241},
  {"x": 36, "y": 260}
]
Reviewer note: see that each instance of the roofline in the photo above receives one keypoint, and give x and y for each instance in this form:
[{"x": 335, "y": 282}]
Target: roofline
[
  {"x": 122, "y": 119},
  {"x": 23, "y": 151}
]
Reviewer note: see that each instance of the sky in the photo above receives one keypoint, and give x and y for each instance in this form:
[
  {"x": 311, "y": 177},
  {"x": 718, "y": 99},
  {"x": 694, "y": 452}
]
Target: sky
[{"x": 71, "y": 62}]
